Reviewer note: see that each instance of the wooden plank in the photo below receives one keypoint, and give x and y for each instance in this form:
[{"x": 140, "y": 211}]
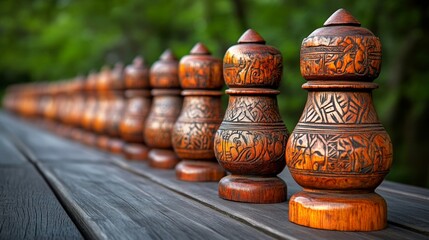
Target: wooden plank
[
  {"x": 402, "y": 201},
  {"x": 407, "y": 211},
  {"x": 272, "y": 217},
  {"x": 29, "y": 209},
  {"x": 9, "y": 154},
  {"x": 109, "y": 202},
  {"x": 45, "y": 146},
  {"x": 404, "y": 189}
]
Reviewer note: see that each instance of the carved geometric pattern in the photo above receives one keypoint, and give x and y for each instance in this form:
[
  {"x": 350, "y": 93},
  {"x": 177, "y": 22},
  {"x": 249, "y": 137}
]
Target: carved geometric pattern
[
  {"x": 199, "y": 108},
  {"x": 339, "y": 108},
  {"x": 166, "y": 106},
  {"x": 326, "y": 56},
  {"x": 252, "y": 109}
]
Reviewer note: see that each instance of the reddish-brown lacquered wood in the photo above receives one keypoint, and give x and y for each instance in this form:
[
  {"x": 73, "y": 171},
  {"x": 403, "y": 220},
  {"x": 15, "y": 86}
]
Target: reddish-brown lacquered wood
[
  {"x": 193, "y": 134},
  {"x": 78, "y": 104},
  {"x": 114, "y": 117},
  {"x": 103, "y": 142},
  {"x": 91, "y": 102},
  {"x": 116, "y": 108},
  {"x": 136, "y": 111},
  {"x": 132, "y": 124},
  {"x": 162, "y": 158},
  {"x": 339, "y": 151},
  {"x": 89, "y": 138},
  {"x": 251, "y": 140},
  {"x": 338, "y": 211},
  {"x": 99, "y": 123},
  {"x": 137, "y": 75},
  {"x": 166, "y": 106},
  {"x": 199, "y": 171}
]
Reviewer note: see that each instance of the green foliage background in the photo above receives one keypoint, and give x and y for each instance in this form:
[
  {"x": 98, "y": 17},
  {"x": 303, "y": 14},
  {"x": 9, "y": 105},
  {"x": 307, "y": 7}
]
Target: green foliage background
[{"x": 48, "y": 40}]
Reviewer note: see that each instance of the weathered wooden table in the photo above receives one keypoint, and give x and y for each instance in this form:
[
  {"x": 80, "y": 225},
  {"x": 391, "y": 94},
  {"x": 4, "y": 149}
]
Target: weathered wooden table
[{"x": 53, "y": 188}]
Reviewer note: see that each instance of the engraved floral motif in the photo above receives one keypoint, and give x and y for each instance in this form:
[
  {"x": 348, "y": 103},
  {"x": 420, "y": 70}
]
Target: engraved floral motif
[
  {"x": 250, "y": 146},
  {"x": 194, "y": 131},
  {"x": 191, "y": 136},
  {"x": 359, "y": 153},
  {"x": 252, "y": 69},
  {"x": 339, "y": 108},
  {"x": 201, "y": 74},
  {"x": 158, "y": 132},
  {"x": 160, "y": 122},
  {"x": 326, "y": 56}
]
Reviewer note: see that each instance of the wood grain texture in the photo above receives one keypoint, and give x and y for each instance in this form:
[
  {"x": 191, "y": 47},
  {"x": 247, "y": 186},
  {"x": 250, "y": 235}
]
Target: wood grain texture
[
  {"x": 109, "y": 202},
  {"x": 29, "y": 209},
  {"x": 274, "y": 217},
  {"x": 9, "y": 155},
  {"x": 47, "y": 147}
]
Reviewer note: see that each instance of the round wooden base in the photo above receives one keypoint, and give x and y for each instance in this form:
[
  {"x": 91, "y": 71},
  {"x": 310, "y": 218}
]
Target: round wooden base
[
  {"x": 336, "y": 211},
  {"x": 77, "y": 134},
  {"x": 162, "y": 158},
  {"x": 116, "y": 145},
  {"x": 135, "y": 151},
  {"x": 253, "y": 189},
  {"x": 89, "y": 139},
  {"x": 103, "y": 142},
  {"x": 199, "y": 171}
]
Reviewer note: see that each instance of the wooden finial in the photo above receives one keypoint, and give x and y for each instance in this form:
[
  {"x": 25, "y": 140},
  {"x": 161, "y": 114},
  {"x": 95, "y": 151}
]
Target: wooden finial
[
  {"x": 251, "y": 36},
  {"x": 341, "y": 17},
  {"x": 200, "y": 49},
  {"x": 168, "y": 55},
  {"x": 138, "y": 62}
]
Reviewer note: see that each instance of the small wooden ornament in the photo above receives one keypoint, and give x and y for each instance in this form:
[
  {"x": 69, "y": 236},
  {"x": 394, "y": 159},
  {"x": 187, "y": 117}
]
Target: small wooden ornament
[
  {"x": 193, "y": 134},
  {"x": 116, "y": 109},
  {"x": 251, "y": 140},
  {"x": 77, "y": 108},
  {"x": 103, "y": 103},
  {"x": 90, "y": 109},
  {"x": 166, "y": 106},
  {"x": 136, "y": 110},
  {"x": 339, "y": 152}
]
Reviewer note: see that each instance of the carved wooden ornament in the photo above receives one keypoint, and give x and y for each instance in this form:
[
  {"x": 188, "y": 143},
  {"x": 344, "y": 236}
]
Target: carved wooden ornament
[
  {"x": 339, "y": 152},
  {"x": 136, "y": 110},
  {"x": 193, "y": 134},
  {"x": 251, "y": 140},
  {"x": 166, "y": 107}
]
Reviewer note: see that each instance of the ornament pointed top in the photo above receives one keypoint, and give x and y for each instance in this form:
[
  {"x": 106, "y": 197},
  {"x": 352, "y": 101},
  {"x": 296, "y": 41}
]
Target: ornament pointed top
[
  {"x": 138, "y": 62},
  {"x": 167, "y": 55},
  {"x": 341, "y": 17},
  {"x": 200, "y": 49},
  {"x": 251, "y": 36}
]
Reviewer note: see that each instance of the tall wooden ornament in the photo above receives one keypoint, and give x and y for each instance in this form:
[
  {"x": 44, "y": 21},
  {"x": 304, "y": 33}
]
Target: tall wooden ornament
[
  {"x": 166, "y": 106},
  {"x": 136, "y": 110},
  {"x": 251, "y": 140},
  {"x": 193, "y": 134},
  {"x": 339, "y": 152}
]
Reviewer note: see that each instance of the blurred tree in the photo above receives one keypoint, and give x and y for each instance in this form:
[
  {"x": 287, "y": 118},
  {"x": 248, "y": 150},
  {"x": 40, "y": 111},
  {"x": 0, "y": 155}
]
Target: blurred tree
[{"x": 44, "y": 40}]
